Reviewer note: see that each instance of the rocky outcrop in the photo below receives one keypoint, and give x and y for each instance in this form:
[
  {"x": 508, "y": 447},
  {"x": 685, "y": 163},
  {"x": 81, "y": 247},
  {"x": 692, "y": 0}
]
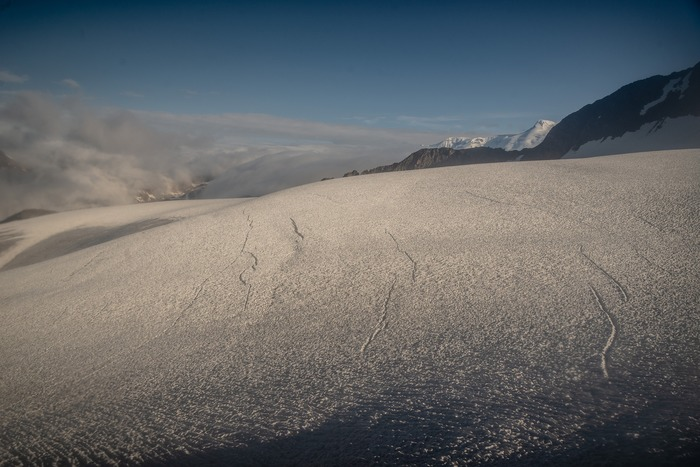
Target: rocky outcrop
[{"x": 441, "y": 157}]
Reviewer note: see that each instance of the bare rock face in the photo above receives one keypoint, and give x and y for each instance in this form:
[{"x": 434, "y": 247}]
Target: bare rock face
[{"x": 442, "y": 157}]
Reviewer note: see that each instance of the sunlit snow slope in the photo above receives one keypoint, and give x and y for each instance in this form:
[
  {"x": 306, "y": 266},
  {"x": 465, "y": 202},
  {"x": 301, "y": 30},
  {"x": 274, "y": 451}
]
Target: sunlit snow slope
[
  {"x": 527, "y": 139},
  {"x": 542, "y": 312}
]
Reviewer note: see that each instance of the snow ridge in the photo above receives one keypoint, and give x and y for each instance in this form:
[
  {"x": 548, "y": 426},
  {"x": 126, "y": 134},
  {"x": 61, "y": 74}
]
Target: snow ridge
[
  {"x": 252, "y": 268},
  {"x": 608, "y": 315},
  {"x": 413, "y": 262},
  {"x": 611, "y": 338},
  {"x": 383, "y": 324},
  {"x": 296, "y": 228},
  {"x": 617, "y": 284}
]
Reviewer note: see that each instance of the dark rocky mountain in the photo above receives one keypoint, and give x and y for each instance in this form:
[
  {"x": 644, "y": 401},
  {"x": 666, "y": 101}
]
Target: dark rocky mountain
[
  {"x": 440, "y": 157},
  {"x": 652, "y": 100}
]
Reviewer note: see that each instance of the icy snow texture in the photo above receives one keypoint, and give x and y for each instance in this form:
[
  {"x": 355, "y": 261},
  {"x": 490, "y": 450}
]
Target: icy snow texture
[
  {"x": 527, "y": 139},
  {"x": 542, "y": 311}
]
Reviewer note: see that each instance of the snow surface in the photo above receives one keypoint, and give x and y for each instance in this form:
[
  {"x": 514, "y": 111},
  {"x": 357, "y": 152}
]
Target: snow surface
[
  {"x": 532, "y": 312},
  {"x": 671, "y": 133},
  {"x": 527, "y": 139}
]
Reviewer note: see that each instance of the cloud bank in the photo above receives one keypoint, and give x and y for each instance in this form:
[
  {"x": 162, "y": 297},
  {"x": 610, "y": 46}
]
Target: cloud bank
[
  {"x": 71, "y": 83},
  {"x": 8, "y": 77},
  {"x": 79, "y": 156}
]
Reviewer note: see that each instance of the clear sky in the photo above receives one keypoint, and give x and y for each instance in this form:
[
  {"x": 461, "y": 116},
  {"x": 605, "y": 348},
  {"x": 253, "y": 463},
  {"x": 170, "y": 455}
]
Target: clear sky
[
  {"x": 105, "y": 97},
  {"x": 472, "y": 67}
]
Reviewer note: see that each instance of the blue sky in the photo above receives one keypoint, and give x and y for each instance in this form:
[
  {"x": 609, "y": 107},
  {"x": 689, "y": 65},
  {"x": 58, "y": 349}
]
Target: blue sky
[{"x": 452, "y": 67}]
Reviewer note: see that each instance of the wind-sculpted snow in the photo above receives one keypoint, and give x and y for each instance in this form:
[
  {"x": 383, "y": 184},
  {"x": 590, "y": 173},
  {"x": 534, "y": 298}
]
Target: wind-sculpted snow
[
  {"x": 611, "y": 339},
  {"x": 541, "y": 312}
]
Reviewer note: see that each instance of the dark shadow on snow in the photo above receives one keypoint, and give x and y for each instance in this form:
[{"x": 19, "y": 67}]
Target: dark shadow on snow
[
  {"x": 405, "y": 439},
  {"x": 7, "y": 241},
  {"x": 78, "y": 239}
]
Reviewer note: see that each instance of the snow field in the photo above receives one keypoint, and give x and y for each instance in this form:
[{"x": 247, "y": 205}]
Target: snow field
[{"x": 544, "y": 311}]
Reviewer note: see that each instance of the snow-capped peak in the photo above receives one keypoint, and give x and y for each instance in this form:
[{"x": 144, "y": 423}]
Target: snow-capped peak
[
  {"x": 527, "y": 139},
  {"x": 544, "y": 124}
]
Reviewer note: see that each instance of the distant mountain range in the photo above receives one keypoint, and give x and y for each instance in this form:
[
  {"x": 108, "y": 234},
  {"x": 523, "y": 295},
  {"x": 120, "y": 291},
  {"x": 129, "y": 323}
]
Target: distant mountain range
[
  {"x": 660, "y": 112},
  {"x": 527, "y": 139}
]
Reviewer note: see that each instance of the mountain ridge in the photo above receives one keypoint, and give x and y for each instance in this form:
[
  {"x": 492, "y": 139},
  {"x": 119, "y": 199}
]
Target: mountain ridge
[
  {"x": 653, "y": 100},
  {"x": 625, "y": 110}
]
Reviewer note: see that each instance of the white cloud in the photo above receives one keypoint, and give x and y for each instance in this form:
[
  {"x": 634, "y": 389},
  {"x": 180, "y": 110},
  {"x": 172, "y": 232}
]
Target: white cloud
[
  {"x": 82, "y": 156},
  {"x": 256, "y": 128},
  {"x": 368, "y": 120},
  {"x": 435, "y": 123},
  {"x": 7, "y": 77},
  {"x": 268, "y": 153},
  {"x": 71, "y": 83}
]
